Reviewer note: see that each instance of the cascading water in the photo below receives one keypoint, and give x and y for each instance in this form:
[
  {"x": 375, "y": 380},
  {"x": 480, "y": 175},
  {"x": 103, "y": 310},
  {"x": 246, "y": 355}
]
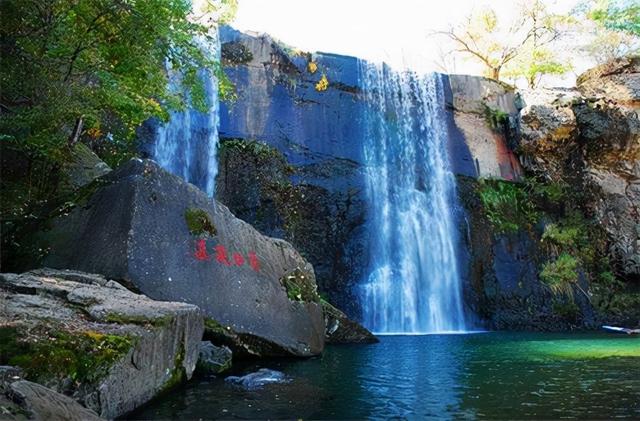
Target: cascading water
[
  {"x": 187, "y": 144},
  {"x": 413, "y": 282}
]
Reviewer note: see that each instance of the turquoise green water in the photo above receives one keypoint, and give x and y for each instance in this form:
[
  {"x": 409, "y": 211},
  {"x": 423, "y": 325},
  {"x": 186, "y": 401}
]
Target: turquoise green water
[{"x": 476, "y": 376}]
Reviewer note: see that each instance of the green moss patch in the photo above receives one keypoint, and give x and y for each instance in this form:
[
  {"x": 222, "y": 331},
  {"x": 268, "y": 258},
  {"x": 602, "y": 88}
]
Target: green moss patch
[
  {"x": 178, "y": 374},
  {"x": 300, "y": 287},
  {"x": 138, "y": 320},
  {"x": 496, "y": 119},
  {"x": 83, "y": 356},
  {"x": 213, "y": 326},
  {"x": 198, "y": 222}
]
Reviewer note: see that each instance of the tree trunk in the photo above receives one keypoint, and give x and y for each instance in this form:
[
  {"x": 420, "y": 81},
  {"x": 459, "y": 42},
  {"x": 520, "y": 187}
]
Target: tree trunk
[
  {"x": 495, "y": 73},
  {"x": 77, "y": 130}
]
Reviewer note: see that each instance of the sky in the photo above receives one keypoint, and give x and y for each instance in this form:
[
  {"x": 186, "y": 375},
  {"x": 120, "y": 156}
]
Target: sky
[{"x": 394, "y": 31}]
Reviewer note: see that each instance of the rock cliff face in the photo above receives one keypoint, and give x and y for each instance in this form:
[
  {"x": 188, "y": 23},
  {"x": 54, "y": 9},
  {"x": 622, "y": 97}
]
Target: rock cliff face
[
  {"x": 93, "y": 340},
  {"x": 581, "y": 150},
  {"x": 485, "y": 115},
  {"x": 286, "y": 163},
  {"x": 295, "y": 149},
  {"x": 290, "y": 157},
  {"x": 165, "y": 237},
  {"x": 591, "y": 139}
]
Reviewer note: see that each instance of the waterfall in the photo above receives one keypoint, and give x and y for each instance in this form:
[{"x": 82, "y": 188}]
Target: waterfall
[
  {"x": 187, "y": 144},
  {"x": 412, "y": 283}
]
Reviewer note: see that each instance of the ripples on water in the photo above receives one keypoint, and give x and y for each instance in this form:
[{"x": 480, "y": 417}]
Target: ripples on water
[{"x": 490, "y": 375}]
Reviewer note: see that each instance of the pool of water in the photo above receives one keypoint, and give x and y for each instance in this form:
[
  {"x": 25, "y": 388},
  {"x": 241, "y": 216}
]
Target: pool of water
[{"x": 484, "y": 375}]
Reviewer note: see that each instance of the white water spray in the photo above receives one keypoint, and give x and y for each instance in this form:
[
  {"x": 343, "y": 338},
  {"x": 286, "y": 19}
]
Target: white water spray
[{"x": 413, "y": 282}]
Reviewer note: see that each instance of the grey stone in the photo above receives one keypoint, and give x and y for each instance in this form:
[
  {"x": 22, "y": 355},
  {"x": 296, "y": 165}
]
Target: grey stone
[
  {"x": 617, "y": 80},
  {"x": 213, "y": 359},
  {"x": 593, "y": 143},
  {"x": 45, "y": 404},
  {"x": 340, "y": 329},
  {"x": 84, "y": 166},
  {"x": 165, "y": 335},
  {"x": 134, "y": 229},
  {"x": 471, "y": 94},
  {"x": 260, "y": 378}
]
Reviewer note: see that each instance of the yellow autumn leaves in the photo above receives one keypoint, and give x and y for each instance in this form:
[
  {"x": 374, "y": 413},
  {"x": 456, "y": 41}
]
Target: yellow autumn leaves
[{"x": 323, "y": 83}]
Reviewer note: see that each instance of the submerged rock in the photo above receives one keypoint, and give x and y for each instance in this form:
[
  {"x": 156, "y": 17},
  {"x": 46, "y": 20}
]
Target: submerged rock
[
  {"x": 258, "y": 379},
  {"x": 162, "y": 235},
  {"x": 213, "y": 359},
  {"x": 92, "y": 339}
]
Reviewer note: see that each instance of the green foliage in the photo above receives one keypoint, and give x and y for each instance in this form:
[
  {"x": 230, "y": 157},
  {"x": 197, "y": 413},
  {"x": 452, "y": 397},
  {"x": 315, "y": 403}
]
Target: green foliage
[
  {"x": 555, "y": 193},
  {"x": 213, "y": 326},
  {"x": 565, "y": 236},
  {"x": 508, "y": 205},
  {"x": 617, "y": 15},
  {"x": 611, "y": 28},
  {"x": 300, "y": 287},
  {"x": 84, "y": 356},
  {"x": 567, "y": 310},
  {"x": 98, "y": 65},
  {"x": 561, "y": 274},
  {"x": 535, "y": 62},
  {"x": 198, "y": 222},
  {"x": 495, "y": 118}
]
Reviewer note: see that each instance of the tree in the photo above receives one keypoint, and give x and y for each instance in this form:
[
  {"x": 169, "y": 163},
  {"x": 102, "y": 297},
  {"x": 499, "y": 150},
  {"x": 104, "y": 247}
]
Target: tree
[
  {"x": 533, "y": 63},
  {"x": 616, "y": 15},
  {"x": 483, "y": 38},
  {"x": 611, "y": 28},
  {"x": 92, "y": 67}
]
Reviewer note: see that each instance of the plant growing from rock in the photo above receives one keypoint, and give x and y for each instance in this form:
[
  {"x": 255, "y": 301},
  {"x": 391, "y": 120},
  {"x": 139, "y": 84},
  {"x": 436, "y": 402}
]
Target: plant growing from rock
[{"x": 561, "y": 276}]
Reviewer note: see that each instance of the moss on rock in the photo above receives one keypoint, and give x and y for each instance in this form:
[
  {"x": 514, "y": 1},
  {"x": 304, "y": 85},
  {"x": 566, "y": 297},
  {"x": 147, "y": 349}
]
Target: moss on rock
[
  {"x": 138, "y": 320},
  {"x": 82, "y": 356},
  {"x": 199, "y": 222},
  {"x": 300, "y": 287}
]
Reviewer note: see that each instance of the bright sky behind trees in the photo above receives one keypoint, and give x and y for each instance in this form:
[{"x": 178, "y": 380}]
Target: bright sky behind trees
[{"x": 396, "y": 32}]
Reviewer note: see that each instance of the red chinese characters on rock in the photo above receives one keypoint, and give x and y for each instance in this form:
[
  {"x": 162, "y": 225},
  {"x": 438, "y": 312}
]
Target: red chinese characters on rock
[{"x": 222, "y": 256}]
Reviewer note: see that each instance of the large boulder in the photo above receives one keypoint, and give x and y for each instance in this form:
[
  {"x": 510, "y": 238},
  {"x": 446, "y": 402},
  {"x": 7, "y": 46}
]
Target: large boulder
[
  {"x": 90, "y": 338},
  {"x": 617, "y": 80},
  {"x": 151, "y": 229},
  {"x": 473, "y": 94}
]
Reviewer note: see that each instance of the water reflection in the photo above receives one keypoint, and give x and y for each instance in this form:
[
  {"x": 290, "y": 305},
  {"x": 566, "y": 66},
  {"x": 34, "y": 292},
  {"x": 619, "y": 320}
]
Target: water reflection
[{"x": 480, "y": 376}]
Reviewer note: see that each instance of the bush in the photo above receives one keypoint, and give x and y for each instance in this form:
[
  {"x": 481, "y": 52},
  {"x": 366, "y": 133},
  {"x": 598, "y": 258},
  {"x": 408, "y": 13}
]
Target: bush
[
  {"x": 508, "y": 205},
  {"x": 561, "y": 275}
]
